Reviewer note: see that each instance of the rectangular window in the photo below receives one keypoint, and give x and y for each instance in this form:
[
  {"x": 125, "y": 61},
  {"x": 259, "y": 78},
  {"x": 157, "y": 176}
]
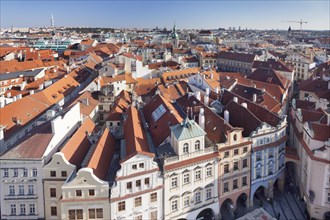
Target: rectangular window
[
  {"x": 134, "y": 167},
  {"x": 244, "y": 164},
  {"x": 226, "y": 168},
  {"x": 31, "y": 189},
  {"x": 78, "y": 192},
  {"x": 138, "y": 183},
  {"x": 174, "y": 182},
  {"x": 270, "y": 154},
  {"x": 5, "y": 172},
  {"x": 79, "y": 213},
  {"x": 53, "y": 173},
  {"x": 153, "y": 215},
  {"x": 174, "y": 205},
  {"x": 91, "y": 192},
  {"x": 235, "y": 184},
  {"x": 11, "y": 190},
  {"x": 186, "y": 178},
  {"x": 270, "y": 169},
  {"x": 99, "y": 213},
  {"x": 32, "y": 209},
  {"x": 208, "y": 171},
  {"x": 235, "y": 165},
  {"x": 91, "y": 213},
  {"x": 258, "y": 173},
  {"x": 12, "y": 209},
  {"x": 226, "y": 154},
  {"x": 153, "y": 197},
  {"x": 53, "y": 211},
  {"x": 129, "y": 185},
  {"x": 328, "y": 197},
  {"x": 208, "y": 193},
  {"x": 138, "y": 202},
  {"x": 15, "y": 172},
  {"x": 197, "y": 197},
  {"x": 258, "y": 156},
  {"x": 34, "y": 172},
  {"x": 244, "y": 181},
  {"x": 225, "y": 187},
  {"x": 72, "y": 214},
  {"x": 141, "y": 165},
  {"x": 25, "y": 172},
  {"x": 64, "y": 174},
  {"x": 21, "y": 189},
  {"x": 245, "y": 149},
  {"x": 236, "y": 152},
  {"x": 186, "y": 201},
  {"x": 198, "y": 175},
  {"x": 121, "y": 206},
  {"x": 146, "y": 181},
  {"x": 22, "y": 209},
  {"x": 52, "y": 192}
]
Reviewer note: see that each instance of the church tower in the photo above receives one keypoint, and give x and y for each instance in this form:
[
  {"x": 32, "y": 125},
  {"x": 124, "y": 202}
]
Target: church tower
[{"x": 175, "y": 38}]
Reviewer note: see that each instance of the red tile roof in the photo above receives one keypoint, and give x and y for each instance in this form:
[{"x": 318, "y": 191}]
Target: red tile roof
[
  {"x": 135, "y": 137},
  {"x": 269, "y": 76},
  {"x": 159, "y": 129},
  {"x": 102, "y": 155},
  {"x": 242, "y": 57},
  {"x": 77, "y": 147}
]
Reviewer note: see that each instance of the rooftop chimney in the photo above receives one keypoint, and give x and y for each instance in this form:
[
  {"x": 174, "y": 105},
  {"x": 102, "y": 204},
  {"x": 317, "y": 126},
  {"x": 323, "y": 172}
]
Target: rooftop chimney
[
  {"x": 235, "y": 99},
  {"x": 254, "y": 97},
  {"x": 244, "y": 104},
  {"x": 201, "y": 118},
  {"x": 226, "y": 115}
]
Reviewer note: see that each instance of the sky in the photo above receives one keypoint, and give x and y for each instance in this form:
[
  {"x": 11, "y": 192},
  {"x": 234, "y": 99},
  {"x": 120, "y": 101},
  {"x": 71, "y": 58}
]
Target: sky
[{"x": 255, "y": 14}]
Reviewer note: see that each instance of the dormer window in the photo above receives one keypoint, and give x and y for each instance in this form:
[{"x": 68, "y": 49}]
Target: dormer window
[
  {"x": 197, "y": 145},
  {"x": 185, "y": 148}
]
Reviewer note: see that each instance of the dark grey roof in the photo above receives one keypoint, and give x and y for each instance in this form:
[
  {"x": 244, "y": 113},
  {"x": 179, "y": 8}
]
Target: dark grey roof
[{"x": 13, "y": 75}]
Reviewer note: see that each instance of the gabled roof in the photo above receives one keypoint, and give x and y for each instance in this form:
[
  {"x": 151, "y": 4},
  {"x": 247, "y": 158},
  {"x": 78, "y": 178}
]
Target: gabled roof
[
  {"x": 260, "y": 112},
  {"x": 243, "y": 57},
  {"x": 240, "y": 116},
  {"x": 102, "y": 155},
  {"x": 318, "y": 86},
  {"x": 32, "y": 146},
  {"x": 15, "y": 66},
  {"x": 87, "y": 101},
  {"x": 215, "y": 126},
  {"x": 159, "y": 129},
  {"x": 77, "y": 147},
  {"x": 179, "y": 74},
  {"x": 187, "y": 129},
  {"x": 135, "y": 137},
  {"x": 277, "y": 65},
  {"x": 269, "y": 76}
]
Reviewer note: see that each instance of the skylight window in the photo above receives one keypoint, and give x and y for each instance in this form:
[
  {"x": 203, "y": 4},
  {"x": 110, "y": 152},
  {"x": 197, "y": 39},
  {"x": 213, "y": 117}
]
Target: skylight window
[{"x": 158, "y": 112}]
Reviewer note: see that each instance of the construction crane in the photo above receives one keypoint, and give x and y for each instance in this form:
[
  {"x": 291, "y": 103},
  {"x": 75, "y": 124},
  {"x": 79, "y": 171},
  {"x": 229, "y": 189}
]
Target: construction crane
[{"x": 300, "y": 22}]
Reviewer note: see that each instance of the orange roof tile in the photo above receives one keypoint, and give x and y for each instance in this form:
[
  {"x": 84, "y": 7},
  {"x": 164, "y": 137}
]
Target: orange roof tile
[
  {"x": 136, "y": 140},
  {"x": 77, "y": 147},
  {"x": 102, "y": 155}
]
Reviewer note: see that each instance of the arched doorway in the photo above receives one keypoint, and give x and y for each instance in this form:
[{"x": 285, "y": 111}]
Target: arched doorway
[
  {"x": 259, "y": 196},
  {"x": 291, "y": 178},
  {"x": 242, "y": 205},
  {"x": 227, "y": 210},
  {"x": 206, "y": 214},
  {"x": 326, "y": 216}
]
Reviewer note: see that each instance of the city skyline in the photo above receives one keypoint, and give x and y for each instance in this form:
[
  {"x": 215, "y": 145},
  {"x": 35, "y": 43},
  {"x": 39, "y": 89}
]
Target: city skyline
[{"x": 185, "y": 14}]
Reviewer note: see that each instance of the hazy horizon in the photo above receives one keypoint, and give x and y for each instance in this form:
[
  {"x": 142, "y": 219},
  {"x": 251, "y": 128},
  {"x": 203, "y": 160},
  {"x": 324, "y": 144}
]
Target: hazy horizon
[{"x": 260, "y": 15}]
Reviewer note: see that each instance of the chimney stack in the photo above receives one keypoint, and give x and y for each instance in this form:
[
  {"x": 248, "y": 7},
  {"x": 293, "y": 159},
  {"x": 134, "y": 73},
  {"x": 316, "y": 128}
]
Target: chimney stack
[
  {"x": 235, "y": 99},
  {"x": 254, "y": 97},
  {"x": 226, "y": 115},
  {"x": 201, "y": 118},
  {"x": 244, "y": 104}
]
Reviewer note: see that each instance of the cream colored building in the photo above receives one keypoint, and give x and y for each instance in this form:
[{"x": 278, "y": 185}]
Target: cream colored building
[{"x": 190, "y": 173}]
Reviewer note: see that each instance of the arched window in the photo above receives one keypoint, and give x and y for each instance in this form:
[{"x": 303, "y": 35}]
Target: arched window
[
  {"x": 186, "y": 148},
  {"x": 197, "y": 145},
  {"x": 235, "y": 137}
]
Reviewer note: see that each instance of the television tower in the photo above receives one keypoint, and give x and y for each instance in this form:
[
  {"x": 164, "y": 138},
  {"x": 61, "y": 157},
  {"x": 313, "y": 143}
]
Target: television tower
[{"x": 52, "y": 24}]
